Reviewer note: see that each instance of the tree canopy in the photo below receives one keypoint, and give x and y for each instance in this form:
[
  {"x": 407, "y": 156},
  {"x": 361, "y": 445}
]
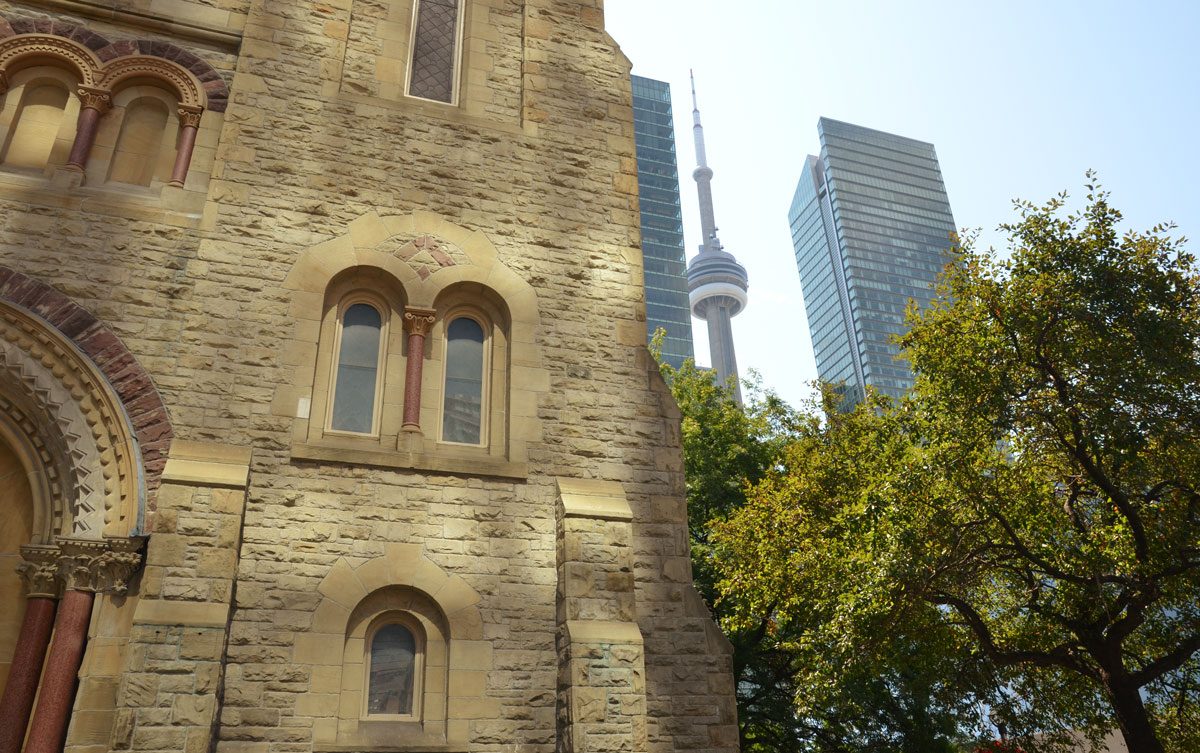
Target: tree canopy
[{"x": 1026, "y": 522}]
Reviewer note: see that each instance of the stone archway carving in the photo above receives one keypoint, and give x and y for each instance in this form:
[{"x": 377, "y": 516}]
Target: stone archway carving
[
  {"x": 76, "y": 330},
  {"x": 105, "y": 66},
  {"x": 81, "y": 409},
  {"x": 106, "y": 492}
]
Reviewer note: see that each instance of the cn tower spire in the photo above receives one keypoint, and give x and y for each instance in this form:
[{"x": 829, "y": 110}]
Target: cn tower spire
[
  {"x": 716, "y": 282},
  {"x": 703, "y": 176}
]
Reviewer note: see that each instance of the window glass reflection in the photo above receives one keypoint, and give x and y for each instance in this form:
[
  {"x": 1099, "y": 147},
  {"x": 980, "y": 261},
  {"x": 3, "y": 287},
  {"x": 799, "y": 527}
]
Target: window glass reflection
[
  {"x": 393, "y": 659},
  {"x": 357, "y": 370},
  {"x": 462, "y": 414}
]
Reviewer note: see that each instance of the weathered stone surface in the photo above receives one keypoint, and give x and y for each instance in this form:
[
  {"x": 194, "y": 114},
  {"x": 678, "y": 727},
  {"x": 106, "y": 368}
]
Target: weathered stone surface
[{"x": 260, "y": 590}]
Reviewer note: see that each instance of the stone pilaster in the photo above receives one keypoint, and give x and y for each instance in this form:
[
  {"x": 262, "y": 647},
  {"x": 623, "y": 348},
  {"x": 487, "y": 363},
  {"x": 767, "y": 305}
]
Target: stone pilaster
[
  {"x": 601, "y": 657},
  {"x": 180, "y": 622}
]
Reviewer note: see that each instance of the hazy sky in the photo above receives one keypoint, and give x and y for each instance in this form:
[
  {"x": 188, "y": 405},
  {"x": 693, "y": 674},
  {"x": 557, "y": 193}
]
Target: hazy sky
[{"x": 1020, "y": 98}]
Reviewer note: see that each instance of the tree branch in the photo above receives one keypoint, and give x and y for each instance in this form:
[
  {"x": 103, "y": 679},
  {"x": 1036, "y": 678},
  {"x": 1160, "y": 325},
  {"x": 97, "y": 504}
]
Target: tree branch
[
  {"x": 1059, "y": 656},
  {"x": 1167, "y": 662}
]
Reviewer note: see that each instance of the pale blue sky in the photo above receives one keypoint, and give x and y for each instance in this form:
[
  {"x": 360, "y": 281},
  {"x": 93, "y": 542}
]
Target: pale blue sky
[{"x": 1019, "y": 97}]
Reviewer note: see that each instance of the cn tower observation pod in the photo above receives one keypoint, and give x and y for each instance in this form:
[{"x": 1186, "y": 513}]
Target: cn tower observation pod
[{"x": 716, "y": 275}]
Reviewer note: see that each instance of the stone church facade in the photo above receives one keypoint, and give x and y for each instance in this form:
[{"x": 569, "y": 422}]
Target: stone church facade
[{"x": 327, "y": 421}]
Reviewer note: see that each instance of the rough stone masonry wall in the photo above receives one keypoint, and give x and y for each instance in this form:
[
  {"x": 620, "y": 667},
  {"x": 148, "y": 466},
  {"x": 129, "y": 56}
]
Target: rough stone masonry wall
[{"x": 204, "y": 309}]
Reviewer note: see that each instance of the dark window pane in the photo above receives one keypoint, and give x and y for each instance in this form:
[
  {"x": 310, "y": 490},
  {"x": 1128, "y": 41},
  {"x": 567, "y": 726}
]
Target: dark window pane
[
  {"x": 433, "y": 50},
  {"x": 393, "y": 656},
  {"x": 462, "y": 416},
  {"x": 358, "y": 365}
]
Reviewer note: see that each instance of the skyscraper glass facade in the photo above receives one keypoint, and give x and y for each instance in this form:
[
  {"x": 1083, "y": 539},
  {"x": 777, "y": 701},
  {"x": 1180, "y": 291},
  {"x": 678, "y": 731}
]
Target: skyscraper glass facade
[
  {"x": 662, "y": 220},
  {"x": 871, "y": 226}
]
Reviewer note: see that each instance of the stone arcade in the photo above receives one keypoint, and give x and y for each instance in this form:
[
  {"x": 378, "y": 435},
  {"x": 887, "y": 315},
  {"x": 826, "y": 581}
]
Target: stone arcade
[{"x": 327, "y": 418}]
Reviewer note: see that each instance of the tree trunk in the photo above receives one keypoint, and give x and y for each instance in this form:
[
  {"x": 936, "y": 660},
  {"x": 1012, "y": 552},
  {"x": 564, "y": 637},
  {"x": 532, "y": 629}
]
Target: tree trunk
[{"x": 1131, "y": 714}]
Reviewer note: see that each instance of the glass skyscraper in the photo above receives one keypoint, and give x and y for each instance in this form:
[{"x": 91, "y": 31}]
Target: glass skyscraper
[
  {"x": 662, "y": 220},
  {"x": 871, "y": 226}
]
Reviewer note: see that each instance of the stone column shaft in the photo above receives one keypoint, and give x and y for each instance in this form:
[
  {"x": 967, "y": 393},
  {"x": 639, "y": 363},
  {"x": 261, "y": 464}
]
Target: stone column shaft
[
  {"x": 417, "y": 323},
  {"x": 49, "y": 726},
  {"x": 190, "y": 121},
  {"x": 25, "y": 672},
  {"x": 94, "y": 104}
]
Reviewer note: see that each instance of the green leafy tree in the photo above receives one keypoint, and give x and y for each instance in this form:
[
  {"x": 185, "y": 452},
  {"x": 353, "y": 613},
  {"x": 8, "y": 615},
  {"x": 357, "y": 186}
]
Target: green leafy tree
[
  {"x": 1030, "y": 513},
  {"x": 881, "y": 707}
]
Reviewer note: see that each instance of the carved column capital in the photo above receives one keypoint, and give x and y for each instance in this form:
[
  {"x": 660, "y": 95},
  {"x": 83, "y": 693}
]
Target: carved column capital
[
  {"x": 39, "y": 571},
  {"x": 99, "y": 565},
  {"x": 418, "y": 321},
  {"x": 91, "y": 98},
  {"x": 190, "y": 116}
]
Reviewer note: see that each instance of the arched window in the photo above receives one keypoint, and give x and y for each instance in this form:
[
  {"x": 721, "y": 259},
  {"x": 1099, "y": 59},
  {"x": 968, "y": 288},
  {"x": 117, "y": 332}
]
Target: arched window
[
  {"x": 433, "y": 70},
  {"x": 394, "y": 658},
  {"x": 36, "y": 124},
  {"x": 356, "y": 383},
  {"x": 463, "y": 409},
  {"x": 137, "y": 154}
]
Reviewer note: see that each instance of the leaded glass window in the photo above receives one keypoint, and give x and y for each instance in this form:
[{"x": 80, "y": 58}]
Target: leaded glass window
[
  {"x": 435, "y": 42},
  {"x": 357, "y": 373},
  {"x": 462, "y": 415},
  {"x": 392, "y": 679}
]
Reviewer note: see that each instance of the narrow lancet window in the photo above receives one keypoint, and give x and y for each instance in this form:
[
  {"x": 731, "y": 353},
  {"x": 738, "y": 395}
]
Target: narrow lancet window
[
  {"x": 357, "y": 374},
  {"x": 392, "y": 675},
  {"x": 462, "y": 417},
  {"x": 434, "y": 50}
]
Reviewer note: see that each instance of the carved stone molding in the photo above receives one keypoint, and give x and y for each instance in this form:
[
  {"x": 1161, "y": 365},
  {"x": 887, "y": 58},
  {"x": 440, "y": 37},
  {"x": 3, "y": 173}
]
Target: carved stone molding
[
  {"x": 418, "y": 321},
  {"x": 103, "y": 566},
  {"x": 39, "y": 571},
  {"x": 94, "y": 99},
  {"x": 44, "y": 458},
  {"x": 183, "y": 82},
  {"x": 28, "y": 49},
  {"x": 80, "y": 407},
  {"x": 33, "y": 49}
]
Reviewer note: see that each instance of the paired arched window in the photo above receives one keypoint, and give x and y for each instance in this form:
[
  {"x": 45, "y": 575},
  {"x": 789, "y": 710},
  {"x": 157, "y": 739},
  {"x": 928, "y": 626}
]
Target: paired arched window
[
  {"x": 394, "y": 658},
  {"x": 463, "y": 404},
  {"x": 433, "y": 67},
  {"x": 360, "y": 348}
]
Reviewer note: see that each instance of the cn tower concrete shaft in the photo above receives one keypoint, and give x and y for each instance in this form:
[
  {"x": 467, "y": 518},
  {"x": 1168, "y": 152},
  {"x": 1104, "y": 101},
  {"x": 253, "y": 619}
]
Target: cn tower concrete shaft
[{"x": 716, "y": 282}]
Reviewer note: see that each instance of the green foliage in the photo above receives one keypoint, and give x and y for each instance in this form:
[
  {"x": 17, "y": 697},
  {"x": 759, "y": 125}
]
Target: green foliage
[
  {"x": 882, "y": 707},
  {"x": 1027, "y": 520}
]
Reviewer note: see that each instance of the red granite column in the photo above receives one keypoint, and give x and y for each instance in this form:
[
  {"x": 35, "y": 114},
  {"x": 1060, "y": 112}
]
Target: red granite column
[
  {"x": 86, "y": 566},
  {"x": 49, "y": 725},
  {"x": 190, "y": 121},
  {"x": 38, "y": 572},
  {"x": 417, "y": 323},
  {"x": 95, "y": 103}
]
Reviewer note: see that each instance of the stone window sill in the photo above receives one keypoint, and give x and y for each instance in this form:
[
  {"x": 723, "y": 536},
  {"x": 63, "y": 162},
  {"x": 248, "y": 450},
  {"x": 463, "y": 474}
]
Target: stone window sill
[
  {"x": 161, "y": 203},
  {"x": 441, "y": 462}
]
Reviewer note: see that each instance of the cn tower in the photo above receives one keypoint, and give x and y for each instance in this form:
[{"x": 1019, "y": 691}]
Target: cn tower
[{"x": 716, "y": 282}]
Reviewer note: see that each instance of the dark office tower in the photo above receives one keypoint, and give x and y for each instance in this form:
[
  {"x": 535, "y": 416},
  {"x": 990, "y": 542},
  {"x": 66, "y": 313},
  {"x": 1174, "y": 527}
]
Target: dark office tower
[
  {"x": 871, "y": 225},
  {"x": 662, "y": 222}
]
